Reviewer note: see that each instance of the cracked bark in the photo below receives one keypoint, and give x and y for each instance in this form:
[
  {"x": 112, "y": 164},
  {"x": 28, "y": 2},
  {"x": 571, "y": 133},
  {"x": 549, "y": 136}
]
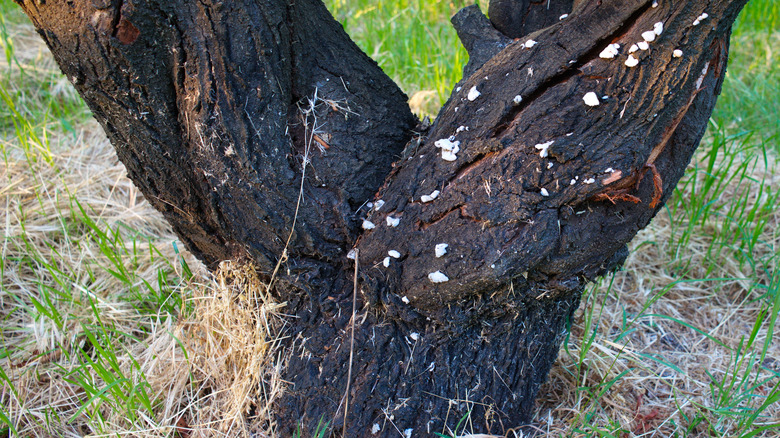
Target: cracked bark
[{"x": 216, "y": 108}]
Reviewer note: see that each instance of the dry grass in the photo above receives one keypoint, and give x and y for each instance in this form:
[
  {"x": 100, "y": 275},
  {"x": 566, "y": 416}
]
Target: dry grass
[{"x": 91, "y": 279}]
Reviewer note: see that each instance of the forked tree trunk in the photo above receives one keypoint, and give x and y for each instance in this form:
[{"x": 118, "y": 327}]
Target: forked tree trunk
[{"x": 547, "y": 159}]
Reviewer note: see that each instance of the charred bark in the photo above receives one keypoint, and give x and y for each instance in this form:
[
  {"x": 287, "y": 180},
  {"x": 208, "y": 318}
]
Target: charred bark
[{"x": 548, "y": 158}]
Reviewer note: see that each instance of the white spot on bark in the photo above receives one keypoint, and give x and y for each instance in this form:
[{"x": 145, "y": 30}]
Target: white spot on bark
[
  {"x": 655, "y": 4},
  {"x": 591, "y": 99},
  {"x": 408, "y": 433},
  {"x": 473, "y": 94},
  {"x": 610, "y": 51},
  {"x": 631, "y": 61},
  {"x": 609, "y": 170},
  {"x": 517, "y": 99},
  {"x": 394, "y": 254},
  {"x": 378, "y": 204},
  {"x": 550, "y": 165},
  {"x": 368, "y": 225},
  {"x": 351, "y": 254},
  {"x": 677, "y": 53},
  {"x": 392, "y": 221},
  {"x": 528, "y": 44},
  {"x": 437, "y": 277},
  {"x": 428, "y": 198},
  {"x": 414, "y": 336},
  {"x": 658, "y": 28},
  {"x": 375, "y": 429},
  {"x": 649, "y": 36},
  {"x": 440, "y": 249},
  {"x": 633, "y": 48},
  {"x": 574, "y": 181},
  {"x": 461, "y": 129},
  {"x": 544, "y": 146},
  {"x": 544, "y": 192},
  {"x": 643, "y": 45},
  {"x": 405, "y": 300},
  {"x": 563, "y": 17},
  {"x": 386, "y": 262},
  {"x": 590, "y": 181},
  {"x": 449, "y": 149}
]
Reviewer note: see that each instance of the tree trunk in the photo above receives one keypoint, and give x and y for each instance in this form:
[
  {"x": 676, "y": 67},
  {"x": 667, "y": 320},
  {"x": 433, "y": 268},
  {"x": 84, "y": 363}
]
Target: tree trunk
[{"x": 260, "y": 130}]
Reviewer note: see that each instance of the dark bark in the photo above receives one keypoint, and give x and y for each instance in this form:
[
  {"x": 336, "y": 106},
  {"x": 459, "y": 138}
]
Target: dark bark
[{"x": 212, "y": 108}]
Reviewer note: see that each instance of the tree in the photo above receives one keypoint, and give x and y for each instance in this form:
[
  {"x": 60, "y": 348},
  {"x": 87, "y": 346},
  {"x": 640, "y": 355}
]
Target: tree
[{"x": 261, "y": 131}]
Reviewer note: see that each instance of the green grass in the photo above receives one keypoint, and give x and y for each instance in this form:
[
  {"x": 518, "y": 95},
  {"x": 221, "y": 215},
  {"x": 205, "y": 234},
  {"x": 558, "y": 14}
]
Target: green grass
[{"x": 86, "y": 284}]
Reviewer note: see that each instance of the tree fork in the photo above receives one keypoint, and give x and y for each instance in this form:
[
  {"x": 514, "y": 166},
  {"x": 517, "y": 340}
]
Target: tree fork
[{"x": 543, "y": 164}]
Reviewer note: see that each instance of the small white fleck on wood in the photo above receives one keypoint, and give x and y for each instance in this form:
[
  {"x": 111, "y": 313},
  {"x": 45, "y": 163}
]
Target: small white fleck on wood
[
  {"x": 408, "y": 433},
  {"x": 550, "y": 165},
  {"x": 414, "y": 336},
  {"x": 655, "y": 4},
  {"x": 658, "y": 28},
  {"x": 610, "y": 51},
  {"x": 461, "y": 129},
  {"x": 517, "y": 100},
  {"x": 544, "y": 146},
  {"x": 563, "y": 17},
  {"x": 591, "y": 99},
  {"x": 677, "y": 53},
  {"x": 643, "y": 45},
  {"x": 633, "y": 48},
  {"x": 428, "y": 198},
  {"x": 392, "y": 221},
  {"x": 437, "y": 277},
  {"x": 590, "y": 181},
  {"x": 544, "y": 192},
  {"x": 405, "y": 300},
  {"x": 631, "y": 61},
  {"x": 473, "y": 94},
  {"x": 375, "y": 429},
  {"x": 394, "y": 254},
  {"x": 351, "y": 254},
  {"x": 574, "y": 181},
  {"x": 528, "y": 44},
  {"x": 386, "y": 262},
  {"x": 368, "y": 225},
  {"x": 609, "y": 170},
  {"x": 440, "y": 249},
  {"x": 378, "y": 204},
  {"x": 649, "y": 36}
]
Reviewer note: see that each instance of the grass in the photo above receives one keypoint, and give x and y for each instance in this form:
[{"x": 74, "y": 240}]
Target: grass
[{"x": 110, "y": 328}]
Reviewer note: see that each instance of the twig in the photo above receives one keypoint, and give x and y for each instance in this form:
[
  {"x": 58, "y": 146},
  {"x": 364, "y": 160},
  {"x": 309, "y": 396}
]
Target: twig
[{"x": 351, "y": 346}]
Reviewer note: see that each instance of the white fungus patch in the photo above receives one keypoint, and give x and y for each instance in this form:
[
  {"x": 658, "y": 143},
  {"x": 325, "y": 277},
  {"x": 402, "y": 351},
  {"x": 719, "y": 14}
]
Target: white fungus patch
[
  {"x": 458, "y": 89},
  {"x": 544, "y": 146},
  {"x": 449, "y": 149},
  {"x": 352, "y": 254},
  {"x": 378, "y": 204},
  {"x": 408, "y": 433},
  {"x": 517, "y": 99},
  {"x": 394, "y": 254},
  {"x": 414, "y": 336},
  {"x": 609, "y": 170},
  {"x": 440, "y": 249},
  {"x": 658, "y": 28},
  {"x": 461, "y": 129},
  {"x": 368, "y": 225},
  {"x": 633, "y": 48},
  {"x": 590, "y": 181},
  {"x": 550, "y": 165},
  {"x": 544, "y": 192},
  {"x": 528, "y": 44},
  {"x": 473, "y": 94},
  {"x": 573, "y": 181},
  {"x": 405, "y": 300},
  {"x": 610, "y": 51},
  {"x": 677, "y": 53},
  {"x": 428, "y": 198},
  {"x": 591, "y": 99},
  {"x": 437, "y": 277},
  {"x": 643, "y": 45},
  {"x": 386, "y": 262},
  {"x": 563, "y": 17},
  {"x": 655, "y": 5},
  {"x": 375, "y": 429},
  {"x": 631, "y": 61},
  {"x": 649, "y": 36},
  {"x": 392, "y": 221},
  {"x": 700, "y": 18}
]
